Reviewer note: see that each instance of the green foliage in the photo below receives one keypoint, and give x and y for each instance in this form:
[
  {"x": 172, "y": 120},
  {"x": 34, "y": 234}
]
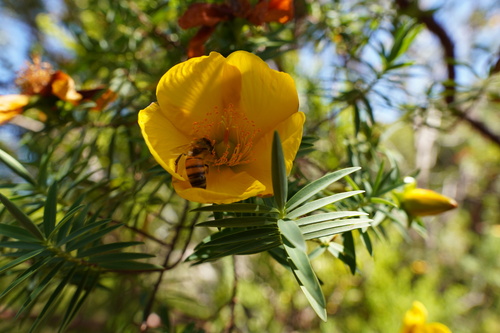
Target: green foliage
[{"x": 93, "y": 238}]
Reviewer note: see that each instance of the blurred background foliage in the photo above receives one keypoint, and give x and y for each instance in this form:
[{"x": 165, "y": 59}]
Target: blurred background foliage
[{"x": 397, "y": 87}]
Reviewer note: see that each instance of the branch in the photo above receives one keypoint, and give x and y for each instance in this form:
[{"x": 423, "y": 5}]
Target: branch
[{"x": 412, "y": 9}]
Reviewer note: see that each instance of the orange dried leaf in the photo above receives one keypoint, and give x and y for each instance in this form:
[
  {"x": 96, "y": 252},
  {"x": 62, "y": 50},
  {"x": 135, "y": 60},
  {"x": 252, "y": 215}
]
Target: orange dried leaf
[
  {"x": 204, "y": 14},
  {"x": 196, "y": 44},
  {"x": 63, "y": 87}
]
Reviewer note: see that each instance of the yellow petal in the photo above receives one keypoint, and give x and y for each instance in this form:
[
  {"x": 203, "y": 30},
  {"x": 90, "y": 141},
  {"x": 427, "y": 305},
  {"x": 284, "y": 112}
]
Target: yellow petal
[
  {"x": 162, "y": 137},
  {"x": 268, "y": 97},
  {"x": 223, "y": 186},
  {"x": 191, "y": 89},
  {"x": 416, "y": 315},
  {"x": 11, "y": 106},
  {"x": 290, "y": 131},
  {"x": 63, "y": 87},
  {"x": 436, "y": 328}
]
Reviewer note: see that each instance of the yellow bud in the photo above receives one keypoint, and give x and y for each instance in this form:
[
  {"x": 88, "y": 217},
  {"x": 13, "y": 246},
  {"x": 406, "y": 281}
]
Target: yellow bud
[{"x": 423, "y": 202}]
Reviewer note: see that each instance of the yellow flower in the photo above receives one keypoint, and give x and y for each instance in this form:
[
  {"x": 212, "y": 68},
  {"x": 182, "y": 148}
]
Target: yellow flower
[
  {"x": 232, "y": 106},
  {"x": 423, "y": 202},
  {"x": 414, "y": 321},
  {"x": 11, "y": 106}
]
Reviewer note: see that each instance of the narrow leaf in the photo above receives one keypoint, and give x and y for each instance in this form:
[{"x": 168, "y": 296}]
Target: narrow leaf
[
  {"x": 316, "y": 186},
  {"x": 16, "y": 167},
  {"x": 317, "y": 204},
  {"x": 15, "y": 232},
  {"x": 50, "y": 211},
  {"x": 236, "y": 208},
  {"x": 21, "y": 245},
  {"x": 326, "y": 217},
  {"x": 21, "y": 277},
  {"x": 292, "y": 233},
  {"x": 21, "y": 259},
  {"x": 239, "y": 222},
  {"x": 33, "y": 296},
  {"x": 349, "y": 254},
  {"x": 119, "y": 256},
  {"x": 80, "y": 243},
  {"x": 22, "y": 218},
  {"x": 51, "y": 302},
  {"x": 280, "y": 184},
  {"x": 106, "y": 248},
  {"x": 307, "y": 279},
  {"x": 79, "y": 232},
  {"x": 130, "y": 266},
  {"x": 367, "y": 241}
]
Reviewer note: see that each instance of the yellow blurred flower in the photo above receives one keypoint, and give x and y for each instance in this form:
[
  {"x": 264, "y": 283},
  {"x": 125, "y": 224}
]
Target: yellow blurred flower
[
  {"x": 37, "y": 78},
  {"x": 232, "y": 106},
  {"x": 415, "y": 321},
  {"x": 424, "y": 202},
  {"x": 11, "y": 106}
]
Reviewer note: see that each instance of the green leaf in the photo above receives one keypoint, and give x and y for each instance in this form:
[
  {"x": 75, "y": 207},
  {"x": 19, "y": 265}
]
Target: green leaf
[
  {"x": 319, "y": 203},
  {"x": 367, "y": 241},
  {"x": 15, "y": 232},
  {"x": 292, "y": 233},
  {"x": 118, "y": 256},
  {"x": 326, "y": 217},
  {"x": 21, "y": 245},
  {"x": 349, "y": 254},
  {"x": 21, "y": 259},
  {"x": 79, "y": 232},
  {"x": 22, "y": 218},
  {"x": 317, "y": 252},
  {"x": 106, "y": 248},
  {"x": 317, "y": 306},
  {"x": 50, "y": 211},
  {"x": 231, "y": 236},
  {"x": 330, "y": 228},
  {"x": 383, "y": 202},
  {"x": 280, "y": 183},
  {"x": 239, "y": 222},
  {"x": 89, "y": 281},
  {"x": 316, "y": 186},
  {"x": 130, "y": 266},
  {"x": 51, "y": 302},
  {"x": 237, "y": 208},
  {"x": 82, "y": 242},
  {"x": 62, "y": 224},
  {"x": 16, "y": 167},
  {"x": 41, "y": 286},
  {"x": 23, "y": 276},
  {"x": 295, "y": 248},
  {"x": 209, "y": 253}
]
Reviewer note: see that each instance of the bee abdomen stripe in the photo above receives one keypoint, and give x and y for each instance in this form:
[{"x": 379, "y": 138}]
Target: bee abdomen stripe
[{"x": 193, "y": 166}]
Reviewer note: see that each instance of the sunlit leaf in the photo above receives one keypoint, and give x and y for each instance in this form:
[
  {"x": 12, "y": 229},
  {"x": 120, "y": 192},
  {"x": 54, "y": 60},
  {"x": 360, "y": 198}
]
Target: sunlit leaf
[
  {"x": 22, "y": 218},
  {"x": 316, "y": 186},
  {"x": 16, "y": 167},
  {"x": 239, "y": 222},
  {"x": 280, "y": 183},
  {"x": 320, "y": 203}
]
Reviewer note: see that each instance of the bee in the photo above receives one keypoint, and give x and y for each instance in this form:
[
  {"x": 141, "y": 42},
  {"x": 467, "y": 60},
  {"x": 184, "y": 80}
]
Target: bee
[{"x": 199, "y": 153}]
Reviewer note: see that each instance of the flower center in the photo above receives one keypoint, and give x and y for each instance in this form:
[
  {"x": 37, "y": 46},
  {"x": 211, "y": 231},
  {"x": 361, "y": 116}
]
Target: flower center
[{"x": 231, "y": 133}]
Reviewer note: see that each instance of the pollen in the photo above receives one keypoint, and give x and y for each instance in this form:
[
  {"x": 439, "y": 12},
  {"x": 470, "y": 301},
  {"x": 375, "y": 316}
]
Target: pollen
[
  {"x": 34, "y": 77},
  {"x": 231, "y": 133}
]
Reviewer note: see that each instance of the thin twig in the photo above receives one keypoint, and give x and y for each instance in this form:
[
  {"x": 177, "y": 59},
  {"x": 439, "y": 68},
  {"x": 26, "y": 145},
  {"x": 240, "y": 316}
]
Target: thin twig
[{"x": 412, "y": 8}]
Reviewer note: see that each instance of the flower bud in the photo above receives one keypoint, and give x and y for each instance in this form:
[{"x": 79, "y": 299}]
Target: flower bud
[{"x": 423, "y": 202}]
